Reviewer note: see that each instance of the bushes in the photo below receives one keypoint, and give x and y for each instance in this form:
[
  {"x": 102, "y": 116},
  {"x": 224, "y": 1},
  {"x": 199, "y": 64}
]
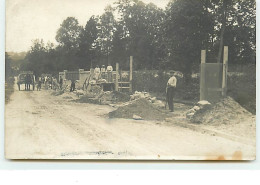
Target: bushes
[
  {"x": 241, "y": 85},
  {"x": 155, "y": 82},
  {"x": 9, "y": 88}
]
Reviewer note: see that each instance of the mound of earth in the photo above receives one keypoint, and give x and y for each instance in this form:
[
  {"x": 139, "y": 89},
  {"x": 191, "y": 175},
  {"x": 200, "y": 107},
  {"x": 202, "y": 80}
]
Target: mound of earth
[
  {"x": 140, "y": 108},
  {"x": 227, "y": 111}
]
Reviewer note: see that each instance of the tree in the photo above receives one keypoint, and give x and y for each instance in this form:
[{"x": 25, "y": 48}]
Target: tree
[
  {"x": 8, "y": 68},
  {"x": 106, "y": 30},
  {"x": 88, "y": 45},
  {"x": 68, "y": 34},
  {"x": 186, "y": 31},
  {"x": 141, "y": 25}
]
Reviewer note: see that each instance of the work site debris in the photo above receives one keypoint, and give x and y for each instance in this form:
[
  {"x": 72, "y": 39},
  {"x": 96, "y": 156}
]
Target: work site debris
[
  {"x": 227, "y": 111},
  {"x": 136, "y": 117},
  {"x": 104, "y": 98},
  {"x": 147, "y": 96},
  {"x": 194, "y": 113},
  {"x": 140, "y": 107}
]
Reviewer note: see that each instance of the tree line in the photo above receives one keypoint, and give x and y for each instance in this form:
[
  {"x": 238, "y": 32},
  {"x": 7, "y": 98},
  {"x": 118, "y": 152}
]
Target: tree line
[{"x": 169, "y": 38}]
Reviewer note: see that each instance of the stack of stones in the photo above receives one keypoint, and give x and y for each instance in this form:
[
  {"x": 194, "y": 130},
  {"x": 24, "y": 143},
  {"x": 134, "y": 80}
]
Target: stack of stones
[{"x": 196, "y": 113}]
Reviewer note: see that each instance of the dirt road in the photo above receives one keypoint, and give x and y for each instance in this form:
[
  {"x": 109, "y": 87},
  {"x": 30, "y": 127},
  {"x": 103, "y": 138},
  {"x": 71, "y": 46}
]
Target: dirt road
[{"x": 41, "y": 126}]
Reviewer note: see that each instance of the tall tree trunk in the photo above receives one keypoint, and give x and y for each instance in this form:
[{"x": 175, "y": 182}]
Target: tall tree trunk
[{"x": 220, "y": 51}]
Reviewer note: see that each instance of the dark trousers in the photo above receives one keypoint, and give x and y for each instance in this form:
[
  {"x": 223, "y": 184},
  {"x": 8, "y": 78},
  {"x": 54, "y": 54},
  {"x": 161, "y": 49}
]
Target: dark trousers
[
  {"x": 27, "y": 86},
  {"x": 72, "y": 87},
  {"x": 170, "y": 95}
]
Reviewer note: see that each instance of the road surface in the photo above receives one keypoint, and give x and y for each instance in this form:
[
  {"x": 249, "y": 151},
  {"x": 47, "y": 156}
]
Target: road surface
[{"x": 41, "y": 126}]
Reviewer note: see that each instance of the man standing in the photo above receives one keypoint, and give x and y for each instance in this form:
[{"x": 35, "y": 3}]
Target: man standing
[
  {"x": 61, "y": 82},
  {"x": 97, "y": 73},
  {"x": 109, "y": 73},
  {"x": 170, "y": 90},
  {"x": 103, "y": 72},
  {"x": 72, "y": 86}
]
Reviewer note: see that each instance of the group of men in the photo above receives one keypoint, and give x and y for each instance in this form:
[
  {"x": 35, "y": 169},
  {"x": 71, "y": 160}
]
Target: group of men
[
  {"x": 103, "y": 73},
  {"x": 48, "y": 82}
]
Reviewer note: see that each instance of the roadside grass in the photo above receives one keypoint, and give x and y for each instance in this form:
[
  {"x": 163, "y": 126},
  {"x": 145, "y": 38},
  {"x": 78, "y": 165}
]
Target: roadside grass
[{"x": 9, "y": 88}]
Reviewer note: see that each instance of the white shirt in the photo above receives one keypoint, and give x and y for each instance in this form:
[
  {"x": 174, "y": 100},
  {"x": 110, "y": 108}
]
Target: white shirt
[
  {"x": 97, "y": 70},
  {"x": 109, "y": 68},
  {"x": 172, "y": 82}
]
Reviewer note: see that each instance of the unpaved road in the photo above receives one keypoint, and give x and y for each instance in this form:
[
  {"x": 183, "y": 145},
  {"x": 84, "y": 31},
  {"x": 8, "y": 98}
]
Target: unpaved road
[{"x": 41, "y": 126}]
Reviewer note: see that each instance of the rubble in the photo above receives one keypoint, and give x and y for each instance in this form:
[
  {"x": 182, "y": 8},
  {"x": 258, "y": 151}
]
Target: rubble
[{"x": 146, "y": 95}]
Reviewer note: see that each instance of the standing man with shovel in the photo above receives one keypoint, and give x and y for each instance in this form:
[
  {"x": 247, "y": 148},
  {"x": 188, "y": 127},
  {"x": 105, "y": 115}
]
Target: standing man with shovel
[{"x": 170, "y": 90}]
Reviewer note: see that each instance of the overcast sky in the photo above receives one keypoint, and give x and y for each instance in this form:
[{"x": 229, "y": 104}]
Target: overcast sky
[{"x": 31, "y": 19}]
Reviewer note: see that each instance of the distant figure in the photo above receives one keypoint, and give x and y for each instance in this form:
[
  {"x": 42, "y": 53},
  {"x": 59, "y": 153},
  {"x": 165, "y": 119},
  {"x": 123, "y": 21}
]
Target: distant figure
[
  {"x": 103, "y": 72},
  {"x": 96, "y": 72},
  {"x": 170, "y": 90},
  {"x": 39, "y": 85},
  {"x": 28, "y": 82},
  {"x": 61, "y": 82},
  {"x": 72, "y": 86},
  {"x": 46, "y": 82},
  {"x": 109, "y": 73},
  {"x": 54, "y": 83}
]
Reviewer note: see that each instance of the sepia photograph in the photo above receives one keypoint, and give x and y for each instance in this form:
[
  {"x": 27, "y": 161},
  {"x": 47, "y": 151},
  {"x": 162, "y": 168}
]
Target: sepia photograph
[{"x": 130, "y": 79}]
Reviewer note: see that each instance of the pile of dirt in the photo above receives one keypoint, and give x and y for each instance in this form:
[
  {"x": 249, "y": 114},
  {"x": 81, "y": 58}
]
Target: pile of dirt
[
  {"x": 141, "y": 108},
  {"x": 227, "y": 111}
]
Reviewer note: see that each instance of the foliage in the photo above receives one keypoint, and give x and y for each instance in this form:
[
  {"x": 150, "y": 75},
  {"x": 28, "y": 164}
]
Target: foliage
[
  {"x": 8, "y": 68},
  {"x": 158, "y": 38}
]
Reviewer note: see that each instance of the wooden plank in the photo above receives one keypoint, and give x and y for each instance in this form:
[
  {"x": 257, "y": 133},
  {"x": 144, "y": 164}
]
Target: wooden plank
[
  {"x": 203, "y": 76},
  {"x": 225, "y": 70},
  {"x": 215, "y": 89}
]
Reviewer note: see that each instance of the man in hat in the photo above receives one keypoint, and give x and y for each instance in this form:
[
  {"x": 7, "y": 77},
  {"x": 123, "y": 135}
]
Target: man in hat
[{"x": 170, "y": 90}]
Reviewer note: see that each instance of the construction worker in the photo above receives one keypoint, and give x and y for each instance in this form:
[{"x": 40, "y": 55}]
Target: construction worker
[
  {"x": 61, "y": 82},
  {"x": 97, "y": 72},
  {"x": 109, "y": 73},
  {"x": 103, "y": 72},
  {"x": 73, "y": 85},
  {"x": 170, "y": 90}
]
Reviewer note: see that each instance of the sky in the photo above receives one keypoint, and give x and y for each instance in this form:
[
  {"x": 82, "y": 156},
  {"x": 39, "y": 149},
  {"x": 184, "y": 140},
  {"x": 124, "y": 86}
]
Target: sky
[{"x": 27, "y": 20}]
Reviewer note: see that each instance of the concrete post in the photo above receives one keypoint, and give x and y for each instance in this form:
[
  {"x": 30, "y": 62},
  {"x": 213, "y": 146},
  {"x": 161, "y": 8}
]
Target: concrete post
[
  {"x": 117, "y": 76},
  {"x": 65, "y": 72},
  {"x": 131, "y": 75},
  {"x": 203, "y": 76},
  {"x": 225, "y": 71}
]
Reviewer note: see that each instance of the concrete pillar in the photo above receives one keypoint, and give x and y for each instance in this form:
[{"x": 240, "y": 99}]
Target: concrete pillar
[
  {"x": 131, "y": 74},
  {"x": 203, "y": 76},
  {"x": 117, "y": 76},
  {"x": 225, "y": 71},
  {"x": 65, "y": 71}
]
